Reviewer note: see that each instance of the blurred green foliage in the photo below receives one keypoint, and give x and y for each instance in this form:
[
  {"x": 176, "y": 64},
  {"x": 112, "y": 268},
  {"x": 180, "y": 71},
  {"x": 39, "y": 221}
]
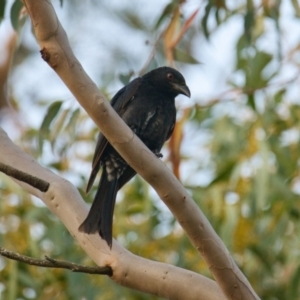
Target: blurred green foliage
[{"x": 252, "y": 200}]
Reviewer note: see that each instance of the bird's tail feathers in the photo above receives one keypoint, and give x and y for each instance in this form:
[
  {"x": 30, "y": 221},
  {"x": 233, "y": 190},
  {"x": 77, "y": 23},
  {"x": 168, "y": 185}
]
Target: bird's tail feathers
[
  {"x": 100, "y": 217},
  {"x": 91, "y": 179}
]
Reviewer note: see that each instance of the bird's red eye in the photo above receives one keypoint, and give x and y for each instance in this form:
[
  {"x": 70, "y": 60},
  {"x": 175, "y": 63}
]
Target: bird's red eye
[{"x": 170, "y": 76}]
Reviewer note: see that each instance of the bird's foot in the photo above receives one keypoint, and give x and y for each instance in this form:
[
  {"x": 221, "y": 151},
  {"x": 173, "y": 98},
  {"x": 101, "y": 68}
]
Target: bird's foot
[{"x": 158, "y": 154}]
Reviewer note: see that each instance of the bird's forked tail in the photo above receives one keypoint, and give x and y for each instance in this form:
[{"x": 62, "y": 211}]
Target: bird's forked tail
[{"x": 100, "y": 216}]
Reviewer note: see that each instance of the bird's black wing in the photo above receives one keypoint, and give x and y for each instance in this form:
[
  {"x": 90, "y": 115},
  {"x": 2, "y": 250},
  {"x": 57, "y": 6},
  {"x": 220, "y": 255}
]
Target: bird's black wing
[
  {"x": 119, "y": 103},
  {"x": 100, "y": 147},
  {"x": 171, "y": 128},
  {"x": 125, "y": 95}
]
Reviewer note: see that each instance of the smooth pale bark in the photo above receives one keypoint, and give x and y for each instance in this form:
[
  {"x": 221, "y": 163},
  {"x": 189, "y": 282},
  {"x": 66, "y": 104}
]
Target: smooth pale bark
[
  {"x": 129, "y": 270},
  {"x": 57, "y": 52}
]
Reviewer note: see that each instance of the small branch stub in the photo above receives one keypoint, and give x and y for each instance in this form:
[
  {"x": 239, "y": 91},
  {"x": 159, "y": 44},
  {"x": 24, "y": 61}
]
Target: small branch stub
[{"x": 45, "y": 55}]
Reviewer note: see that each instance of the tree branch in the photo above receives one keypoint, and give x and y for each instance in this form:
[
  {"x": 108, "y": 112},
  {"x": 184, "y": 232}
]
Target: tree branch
[
  {"x": 55, "y": 263},
  {"x": 54, "y": 43},
  {"x": 129, "y": 270},
  {"x": 24, "y": 177}
]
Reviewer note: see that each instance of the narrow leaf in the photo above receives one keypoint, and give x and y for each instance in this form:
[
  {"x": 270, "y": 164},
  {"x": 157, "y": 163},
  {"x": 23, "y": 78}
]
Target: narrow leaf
[
  {"x": 205, "y": 19},
  {"x": 71, "y": 125},
  {"x": 45, "y": 127},
  {"x": 57, "y": 127},
  {"x": 166, "y": 12},
  {"x": 2, "y": 9},
  {"x": 125, "y": 77},
  {"x": 184, "y": 57},
  {"x": 15, "y": 14}
]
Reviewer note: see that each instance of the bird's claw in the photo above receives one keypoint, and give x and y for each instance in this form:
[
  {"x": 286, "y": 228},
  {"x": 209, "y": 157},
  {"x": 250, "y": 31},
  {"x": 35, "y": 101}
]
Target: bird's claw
[{"x": 158, "y": 154}]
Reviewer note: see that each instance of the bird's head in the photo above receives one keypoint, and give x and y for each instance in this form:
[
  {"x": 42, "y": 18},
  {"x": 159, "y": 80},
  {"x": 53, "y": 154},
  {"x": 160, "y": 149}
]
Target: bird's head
[{"x": 169, "y": 80}]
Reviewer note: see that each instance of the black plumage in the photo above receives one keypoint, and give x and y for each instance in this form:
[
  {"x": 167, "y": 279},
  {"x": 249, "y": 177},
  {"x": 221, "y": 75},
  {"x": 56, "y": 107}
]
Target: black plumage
[{"x": 147, "y": 105}]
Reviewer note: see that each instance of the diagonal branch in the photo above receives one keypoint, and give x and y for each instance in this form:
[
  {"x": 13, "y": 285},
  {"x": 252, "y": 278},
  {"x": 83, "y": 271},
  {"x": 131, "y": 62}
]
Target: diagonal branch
[
  {"x": 56, "y": 49},
  {"x": 129, "y": 270}
]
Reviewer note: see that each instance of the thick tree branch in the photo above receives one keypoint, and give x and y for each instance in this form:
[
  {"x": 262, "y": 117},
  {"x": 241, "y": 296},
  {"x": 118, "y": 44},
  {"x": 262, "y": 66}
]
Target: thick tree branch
[
  {"x": 55, "y": 46},
  {"x": 129, "y": 270},
  {"x": 55, "y": 263}
]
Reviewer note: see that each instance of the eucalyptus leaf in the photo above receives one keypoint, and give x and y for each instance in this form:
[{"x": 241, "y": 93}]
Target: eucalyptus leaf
[
  {"x": 169, "y": 8},
  {"x": 15, "y": 14},
  {"x": 49, "y": 117},
  {"x": 2, "y": 9},
  {"x": 184, "y": 57}
]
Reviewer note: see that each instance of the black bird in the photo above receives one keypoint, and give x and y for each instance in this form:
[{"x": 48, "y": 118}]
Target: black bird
[{"x": 147, "y": 105}]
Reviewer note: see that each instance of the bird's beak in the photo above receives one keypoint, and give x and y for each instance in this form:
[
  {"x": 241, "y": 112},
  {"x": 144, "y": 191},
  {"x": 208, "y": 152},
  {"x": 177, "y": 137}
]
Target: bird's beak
[{"x": 182, "y": 89}]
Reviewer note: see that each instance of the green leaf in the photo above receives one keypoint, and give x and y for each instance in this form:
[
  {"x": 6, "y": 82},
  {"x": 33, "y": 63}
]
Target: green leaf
[
  {"x": 13, "y": 280},
  {"x": 294, "y": 213},
  {"x": 15, "y": 14},
  {"x": 279, "y": 95},
  {"x": 240, "y": 46},
  {"x": 132, "y": 19},
  {"x": 217, "y": 16},
  {"x": 249, "y": 21},
  {"x": 265, "y": 260},
  {"x": 254, "y": 68},
  {"x": 296, "y": 6},
  {"x": 295, "y": 284},
  {"x": 2, "y": 9},
  {"x": 58, "y": 126},
  {"x": 184, "y": 57},
  {"x": 71, "y": 126},
  {"x": 125, "y": 77},
  {"x": 251, "y": 101},
  {"x": 205, "y": 19},
  {"x": 51, "y": 114},
  {"x": 249, "y": 25},
  {"x": 224, "y": 172},
  {"x": 45, "y": 127},
  {"x": 166, "y": 12}
]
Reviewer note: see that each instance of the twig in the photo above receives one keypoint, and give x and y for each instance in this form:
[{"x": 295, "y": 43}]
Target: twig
[
  {"x": 54, "y": 263},
  {"x": 25, "y": 177}
]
